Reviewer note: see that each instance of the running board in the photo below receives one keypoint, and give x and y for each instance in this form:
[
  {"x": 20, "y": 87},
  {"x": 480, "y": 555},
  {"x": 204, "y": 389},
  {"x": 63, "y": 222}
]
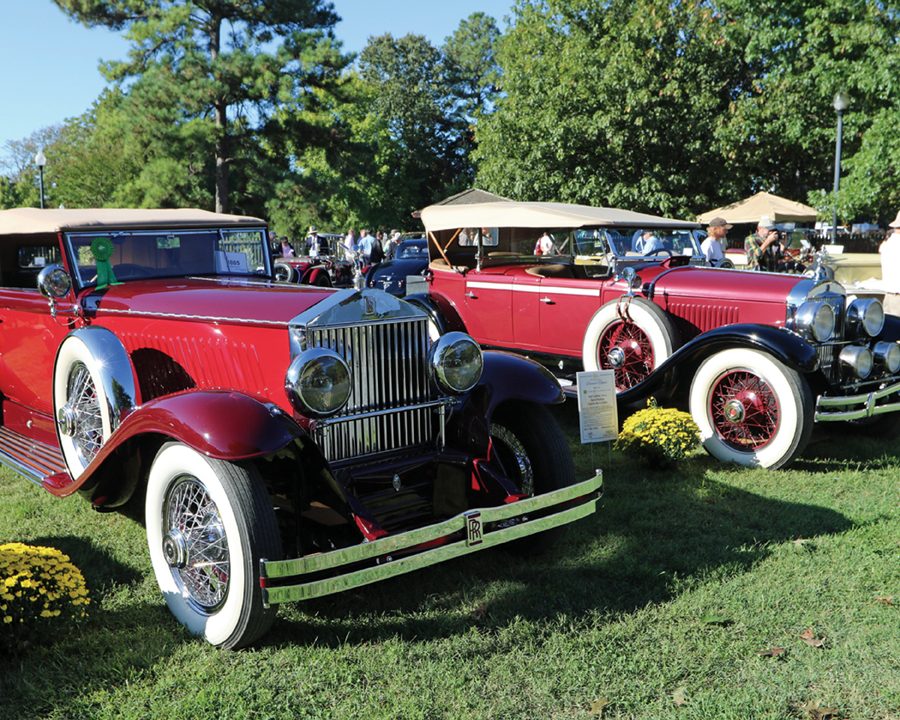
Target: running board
[{"x": 34, "y": 460}]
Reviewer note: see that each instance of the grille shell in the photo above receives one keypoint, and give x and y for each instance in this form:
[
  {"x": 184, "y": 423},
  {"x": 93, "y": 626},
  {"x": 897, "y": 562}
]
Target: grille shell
[{"x": 394, "y": 406}]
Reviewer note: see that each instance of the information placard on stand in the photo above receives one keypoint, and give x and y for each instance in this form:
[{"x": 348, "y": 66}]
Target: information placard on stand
[{"x": 597, "y": 410}]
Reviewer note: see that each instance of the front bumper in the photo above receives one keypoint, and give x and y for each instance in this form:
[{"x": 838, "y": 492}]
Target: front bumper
[
  {"x": 857, "y": 407},
  {"x": 477, "y": 529}
]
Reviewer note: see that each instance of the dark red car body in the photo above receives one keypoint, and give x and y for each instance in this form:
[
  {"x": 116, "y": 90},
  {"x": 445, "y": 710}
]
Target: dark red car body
[
  {"x": 694, "y": 336},
  {"x": 185, "y": 384}
]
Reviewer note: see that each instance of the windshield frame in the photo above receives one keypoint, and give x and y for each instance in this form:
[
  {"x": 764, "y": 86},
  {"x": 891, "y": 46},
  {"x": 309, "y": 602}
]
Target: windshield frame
[{"x": 71, "y": 236}]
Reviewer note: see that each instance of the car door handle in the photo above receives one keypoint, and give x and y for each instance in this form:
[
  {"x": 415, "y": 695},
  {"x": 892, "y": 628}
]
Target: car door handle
[
  {"x": 546, "y": 300},
  {"x": 471, "y": 295}
]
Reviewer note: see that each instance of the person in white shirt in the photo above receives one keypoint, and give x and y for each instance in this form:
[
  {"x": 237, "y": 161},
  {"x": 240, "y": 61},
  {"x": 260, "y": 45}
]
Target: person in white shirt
[
  {"x": 712, "y": 247},
  {"x": 312, "y": 242},
  {"x": 545, "y": 245},
  {"x": 890, "y": 258}
]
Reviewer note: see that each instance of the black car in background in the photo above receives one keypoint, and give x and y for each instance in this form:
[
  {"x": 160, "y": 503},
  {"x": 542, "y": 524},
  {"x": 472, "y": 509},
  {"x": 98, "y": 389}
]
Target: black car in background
[{"x": 410, "y": 258}]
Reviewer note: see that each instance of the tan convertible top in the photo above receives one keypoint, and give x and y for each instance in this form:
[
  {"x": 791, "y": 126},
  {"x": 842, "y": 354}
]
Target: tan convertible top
[
  {"x": 33, "y": 221},
  {"x": 546, "y": 215}
]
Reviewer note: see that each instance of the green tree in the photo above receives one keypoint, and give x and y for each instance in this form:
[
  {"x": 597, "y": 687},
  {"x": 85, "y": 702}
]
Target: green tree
[
  {"x": 21, "y": 188},
  {"x": 611, "y": 104},
  {"x": 677, "y": 107},
  {"x": 221, "y": 67},
  {"x": 781, "y": 125}
]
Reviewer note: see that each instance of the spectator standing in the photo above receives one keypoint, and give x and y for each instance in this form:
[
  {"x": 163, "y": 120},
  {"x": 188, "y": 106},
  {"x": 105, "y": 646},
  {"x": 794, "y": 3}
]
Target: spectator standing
[
  {"x": 890, "y": 258},
  {"x": 545, "y": 245},
  {"x": 312, "y": 242},
  {"x": 393, "y": 241},
  {"x": 287, "y": 250},
  {"x": 350, "y": 247},
  {"x": 712, "y": 247},
  {"x": 377, "y": 248},
  {"x": 764, "y": 251},
  {"x": 365, "y": 245}
]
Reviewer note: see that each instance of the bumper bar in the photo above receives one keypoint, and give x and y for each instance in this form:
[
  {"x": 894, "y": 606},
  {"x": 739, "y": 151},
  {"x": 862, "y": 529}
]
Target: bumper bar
[
  {"x": 857, "y": 407},
  {"x": 480, "y": 529}
]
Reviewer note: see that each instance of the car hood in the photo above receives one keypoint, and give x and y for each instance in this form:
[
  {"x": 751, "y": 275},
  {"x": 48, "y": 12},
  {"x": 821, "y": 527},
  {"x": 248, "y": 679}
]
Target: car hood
[
  {"x": 207, "y": 299},
  {"x": 715, "y": 284}
]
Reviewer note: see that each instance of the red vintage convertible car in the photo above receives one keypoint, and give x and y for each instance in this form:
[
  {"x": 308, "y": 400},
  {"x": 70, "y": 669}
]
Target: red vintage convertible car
[
  {"x": 756, "y": 357},
  {"x": 289, "y": 441}
]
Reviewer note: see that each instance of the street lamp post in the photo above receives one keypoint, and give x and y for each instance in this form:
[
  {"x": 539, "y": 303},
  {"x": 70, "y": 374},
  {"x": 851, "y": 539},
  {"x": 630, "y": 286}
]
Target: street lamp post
[
  {"x": 40, "y": 160},
  {"x": 841, "y": 101}
]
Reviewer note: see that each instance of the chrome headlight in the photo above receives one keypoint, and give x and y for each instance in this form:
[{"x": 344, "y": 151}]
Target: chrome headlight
[
  {"x": 887, "y": 354},
  {"x": 816, "y": 319},
  {"x": 318, "y": 382},
  {"x": 858, "y": 359},
  {"x": 865, "y": 315},
  {"x": 456, "y": 362}
]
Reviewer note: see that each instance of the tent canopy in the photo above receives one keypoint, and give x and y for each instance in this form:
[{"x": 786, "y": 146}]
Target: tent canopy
[
  {"x": 544, "y": 215},
  {"x": 751, "y": 209}
]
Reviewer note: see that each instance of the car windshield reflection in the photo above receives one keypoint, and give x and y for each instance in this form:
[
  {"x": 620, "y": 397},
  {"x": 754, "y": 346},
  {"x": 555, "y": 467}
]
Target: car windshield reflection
[
  {"x": 101, "y": 258},
  {"x": 636, "y": 242}
]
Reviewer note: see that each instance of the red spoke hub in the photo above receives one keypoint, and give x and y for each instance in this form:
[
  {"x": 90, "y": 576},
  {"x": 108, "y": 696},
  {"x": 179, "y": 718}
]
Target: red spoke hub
[
  {"x": 744, "y": 410},
  {"x": 625, "y": 348}
]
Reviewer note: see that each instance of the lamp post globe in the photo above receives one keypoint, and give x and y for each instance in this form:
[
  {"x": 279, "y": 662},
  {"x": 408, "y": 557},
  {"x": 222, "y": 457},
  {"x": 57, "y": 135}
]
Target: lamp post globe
[
  {"x": 841, "y": 103},
  {"x": 40, "y": 160}
]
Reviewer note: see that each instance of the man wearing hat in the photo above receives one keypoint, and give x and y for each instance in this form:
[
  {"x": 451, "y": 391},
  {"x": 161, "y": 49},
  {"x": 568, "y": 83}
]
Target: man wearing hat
[
  {"x": 712, "y": 247},
  {"x": 312, "y": 242},
  {"x": 763, "y": 249}
]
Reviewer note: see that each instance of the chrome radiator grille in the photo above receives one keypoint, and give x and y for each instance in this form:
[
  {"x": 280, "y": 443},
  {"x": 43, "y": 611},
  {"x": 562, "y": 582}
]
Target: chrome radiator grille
[
  {"x": 391, "y": 405},
  {"x": 828, "y": 362}
]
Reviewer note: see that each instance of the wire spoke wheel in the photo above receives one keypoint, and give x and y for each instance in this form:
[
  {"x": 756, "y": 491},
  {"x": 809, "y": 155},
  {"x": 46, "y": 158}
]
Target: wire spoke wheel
[
  {"x": 626, "y": 349},
  {"x": 759, "y": 417},
  {"x": 744, "y": 410},
  {"x": 83, "y": 404},
  {"x": 513, "y": 458},
  {"x": 195, "y": 544}
]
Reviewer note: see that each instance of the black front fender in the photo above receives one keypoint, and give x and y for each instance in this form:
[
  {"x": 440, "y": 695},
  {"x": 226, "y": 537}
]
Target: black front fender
[
  {"x": 671, "y": 375},
  {"x": 506, "y": 378}
]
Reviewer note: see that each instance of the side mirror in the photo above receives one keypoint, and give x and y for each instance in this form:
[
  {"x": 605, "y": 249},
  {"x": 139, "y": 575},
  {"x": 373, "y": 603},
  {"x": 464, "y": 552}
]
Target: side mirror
[{"x": 54, "y": 282}]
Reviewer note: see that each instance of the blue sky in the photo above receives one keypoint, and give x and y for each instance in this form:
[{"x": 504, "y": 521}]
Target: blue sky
[{"x": 48, "y": 64}]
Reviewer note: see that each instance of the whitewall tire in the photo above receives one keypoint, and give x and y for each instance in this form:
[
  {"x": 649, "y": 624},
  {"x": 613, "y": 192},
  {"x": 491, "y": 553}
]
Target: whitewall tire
[
  {"x": 751, "y": 408},
  {"x": 633, "y": 338},
  {"x": 209, "y": 522},
  {"x": 80, "y": 403}
]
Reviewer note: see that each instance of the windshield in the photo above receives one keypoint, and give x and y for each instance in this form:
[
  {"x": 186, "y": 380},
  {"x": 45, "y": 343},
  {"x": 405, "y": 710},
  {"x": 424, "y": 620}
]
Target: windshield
[
  {"x": 140, "y": 254},
  {"x": 635, "y": 242},
  {"x": 412, "y": 250}
]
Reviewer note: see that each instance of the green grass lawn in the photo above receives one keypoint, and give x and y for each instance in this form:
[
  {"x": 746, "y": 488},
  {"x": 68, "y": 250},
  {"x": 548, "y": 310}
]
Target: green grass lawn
[{"x": 658, "y": 606}]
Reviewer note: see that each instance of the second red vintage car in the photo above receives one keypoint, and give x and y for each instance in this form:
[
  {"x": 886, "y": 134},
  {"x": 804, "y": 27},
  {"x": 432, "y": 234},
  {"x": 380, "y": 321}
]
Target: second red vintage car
[{"x": 757, "y": 357}]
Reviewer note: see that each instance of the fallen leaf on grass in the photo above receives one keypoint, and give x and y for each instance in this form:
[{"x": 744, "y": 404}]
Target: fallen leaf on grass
[
  {"x": 679, "y": 697},
  {"x": 598, "y": 706},
  {"x": 817, "y": 712},
  {"x": 809, "y": 637},
  {"x": 775, "y": 652},
  {"x": 885, "y": 599}
]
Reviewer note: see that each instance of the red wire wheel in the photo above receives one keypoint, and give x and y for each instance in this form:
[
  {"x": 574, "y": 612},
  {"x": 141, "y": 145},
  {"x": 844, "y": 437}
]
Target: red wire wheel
[
  {"x": 625, "y": 348},
  {"x": 744, "y": 410}
]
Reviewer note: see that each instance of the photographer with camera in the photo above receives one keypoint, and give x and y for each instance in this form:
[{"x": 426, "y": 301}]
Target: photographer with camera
[{"x": 764, "y": 248}]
